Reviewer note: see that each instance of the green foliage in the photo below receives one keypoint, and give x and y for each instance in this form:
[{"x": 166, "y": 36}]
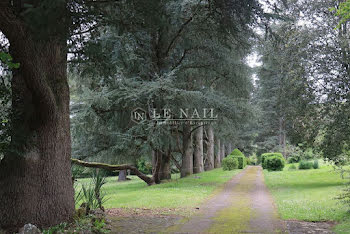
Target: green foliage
[
  {"x": 8, "y": 60},
  {"x": 308, "y": 154},
  {"x": 267, "y": 155},
  {"x": 316, "y": 164},
  {"x": 249, "y": 162},
  {"x": 229, "y": 163},
  {"x": 60, "y": 228},
  {"x": 144, "y": 166},
  {"x": 305, "y": 165},
  {"x": 292, "y": 167},
  {"x": 294, "y": 159},
  {"x": 274, "y": 163},
  {"x": 343, "y": 12},
  {"x": 236, "y": 152},
  {"x": 242, "y": 161},
  {"x": 92, "y": 193}
]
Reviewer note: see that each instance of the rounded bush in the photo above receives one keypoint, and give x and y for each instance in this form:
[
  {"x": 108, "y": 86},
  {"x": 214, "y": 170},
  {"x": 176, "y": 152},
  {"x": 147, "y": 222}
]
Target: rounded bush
[
  {"x": 236, "y": 152},
  {"x": 267, "y": 155},
  {"x": 316, "y": 165},
  {"x": 292, "y": 167},
  {"x": 305, "y": 165},
  {"x": 274, "y": 163},
  {"x": 229, "y": 163}
]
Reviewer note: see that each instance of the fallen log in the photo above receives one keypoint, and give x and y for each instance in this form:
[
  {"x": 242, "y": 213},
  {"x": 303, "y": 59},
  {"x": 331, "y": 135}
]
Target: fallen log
[{"x": 147, "y": 179}]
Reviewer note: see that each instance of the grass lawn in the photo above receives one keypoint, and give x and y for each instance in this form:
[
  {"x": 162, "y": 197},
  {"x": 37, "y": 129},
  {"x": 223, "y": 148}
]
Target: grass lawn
[
  {"x": 178, "y": 193},
  {"x": 309, "y": 195}
]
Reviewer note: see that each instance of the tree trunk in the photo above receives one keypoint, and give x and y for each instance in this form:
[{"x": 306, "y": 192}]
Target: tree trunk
[
  {"x": 122, "y": 176},
  {"x": 198, "y": 165},
  {"x": 35, "y": 176},
  {"x": 217, "y": 163},
  {"x": 229, "y": 148},
  {"x": 187, "y": 157},
  {"x": 157, "y": 165},
  {"x": 210, "y": 148},
  {"x": 165, "y": 170},
  {"x": 223, "y": 151}
]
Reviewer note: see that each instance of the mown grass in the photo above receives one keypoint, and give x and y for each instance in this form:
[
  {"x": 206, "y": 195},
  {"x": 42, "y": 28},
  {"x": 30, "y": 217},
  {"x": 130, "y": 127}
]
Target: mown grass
[
  {"x": 308, "y": 194},
  {"x": 178, "y": 193}
]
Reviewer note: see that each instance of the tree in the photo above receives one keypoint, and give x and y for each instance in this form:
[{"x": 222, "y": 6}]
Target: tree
[{"x": 35, "y": 178}]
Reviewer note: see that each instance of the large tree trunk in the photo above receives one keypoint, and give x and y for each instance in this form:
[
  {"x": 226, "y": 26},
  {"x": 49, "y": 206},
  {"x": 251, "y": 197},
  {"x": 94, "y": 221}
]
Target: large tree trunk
[
  {"x": 35, "y": 177},
  {"x": 187, "y": 157},
  {"x": 198, "y": 165},
  {"x": 217, "y": 163},
  {"x": 165, "y": 170},
  {"x": 210, "y": 148}
]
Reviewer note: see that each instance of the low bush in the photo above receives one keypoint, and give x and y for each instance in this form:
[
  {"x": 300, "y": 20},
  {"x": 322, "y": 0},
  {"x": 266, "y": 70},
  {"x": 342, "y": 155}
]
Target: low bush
[
  {"x": 242, "y": 161},
  {"x": 316, "y": 165},
  {"x": 249, "y": 162},
  {"x": 292, "y": 167},
  {"x": 144, "y": 166},
  {"x": 294, "y": 159},
  {"x": 267, "y": 155},
  {"x": 305, "y": 165},
  {"x": 229, "y": 163},
  {"x": 274, "y": 163}
]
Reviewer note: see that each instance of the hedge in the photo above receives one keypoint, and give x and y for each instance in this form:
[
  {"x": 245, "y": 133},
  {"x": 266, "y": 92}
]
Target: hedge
[
  {"x": 274, "y": 163},
  {"x": 266, "y": 155},
  {"x": 229, "y": 163}
]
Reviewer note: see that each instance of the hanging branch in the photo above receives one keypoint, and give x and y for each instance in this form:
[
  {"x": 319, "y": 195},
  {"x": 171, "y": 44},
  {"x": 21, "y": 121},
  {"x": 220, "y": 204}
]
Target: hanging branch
[{"x": 147, "y": 179}]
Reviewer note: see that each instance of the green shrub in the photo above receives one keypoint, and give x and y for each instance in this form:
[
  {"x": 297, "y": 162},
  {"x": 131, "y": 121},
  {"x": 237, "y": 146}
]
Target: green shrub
[
  {"x": 242, "y": 161},
  {"x": 229, "y": 163},
  {"x": 267, "y": 155},
  {"x": 292, "y": 167},
  {"x": 315, "y": 165},
  {"x": 304, "y": 165},
  {"x": 236, "y": 152},
  {"x": 144, "y": 166},
  {"x": 249, "y": 162},
  {"x": 274, "y": 163},
  {"x": 294, "y": 159},
  {"x": 308, "y": 154}
]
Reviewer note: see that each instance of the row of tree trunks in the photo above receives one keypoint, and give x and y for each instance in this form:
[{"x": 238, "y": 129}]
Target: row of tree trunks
[{"x": 193, "y": 152}]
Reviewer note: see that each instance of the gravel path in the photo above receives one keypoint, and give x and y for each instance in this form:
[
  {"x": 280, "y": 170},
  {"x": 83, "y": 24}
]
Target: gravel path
[{"x": 244, "y": 206}]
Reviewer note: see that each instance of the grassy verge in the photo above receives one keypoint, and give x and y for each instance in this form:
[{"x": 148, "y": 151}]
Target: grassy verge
[
  {"x": 178, "y": 193},
  {"x": 308, "y": 195}
]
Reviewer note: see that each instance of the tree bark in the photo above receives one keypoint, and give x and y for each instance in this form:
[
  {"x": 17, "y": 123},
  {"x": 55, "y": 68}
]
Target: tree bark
[
  {"x": 35, "y": 176},
  {"x": 165, "y": 170},
  {"x": 229, "y": 148},
  {"x": 210, "y": 148},
  {"x": 198, "y": 165},
  {"x": 122, "y": 176},
  {"x": 218, "y": 155},
  {"x": 223, "y": 151},
  {"x": 187, "y": 157}
]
